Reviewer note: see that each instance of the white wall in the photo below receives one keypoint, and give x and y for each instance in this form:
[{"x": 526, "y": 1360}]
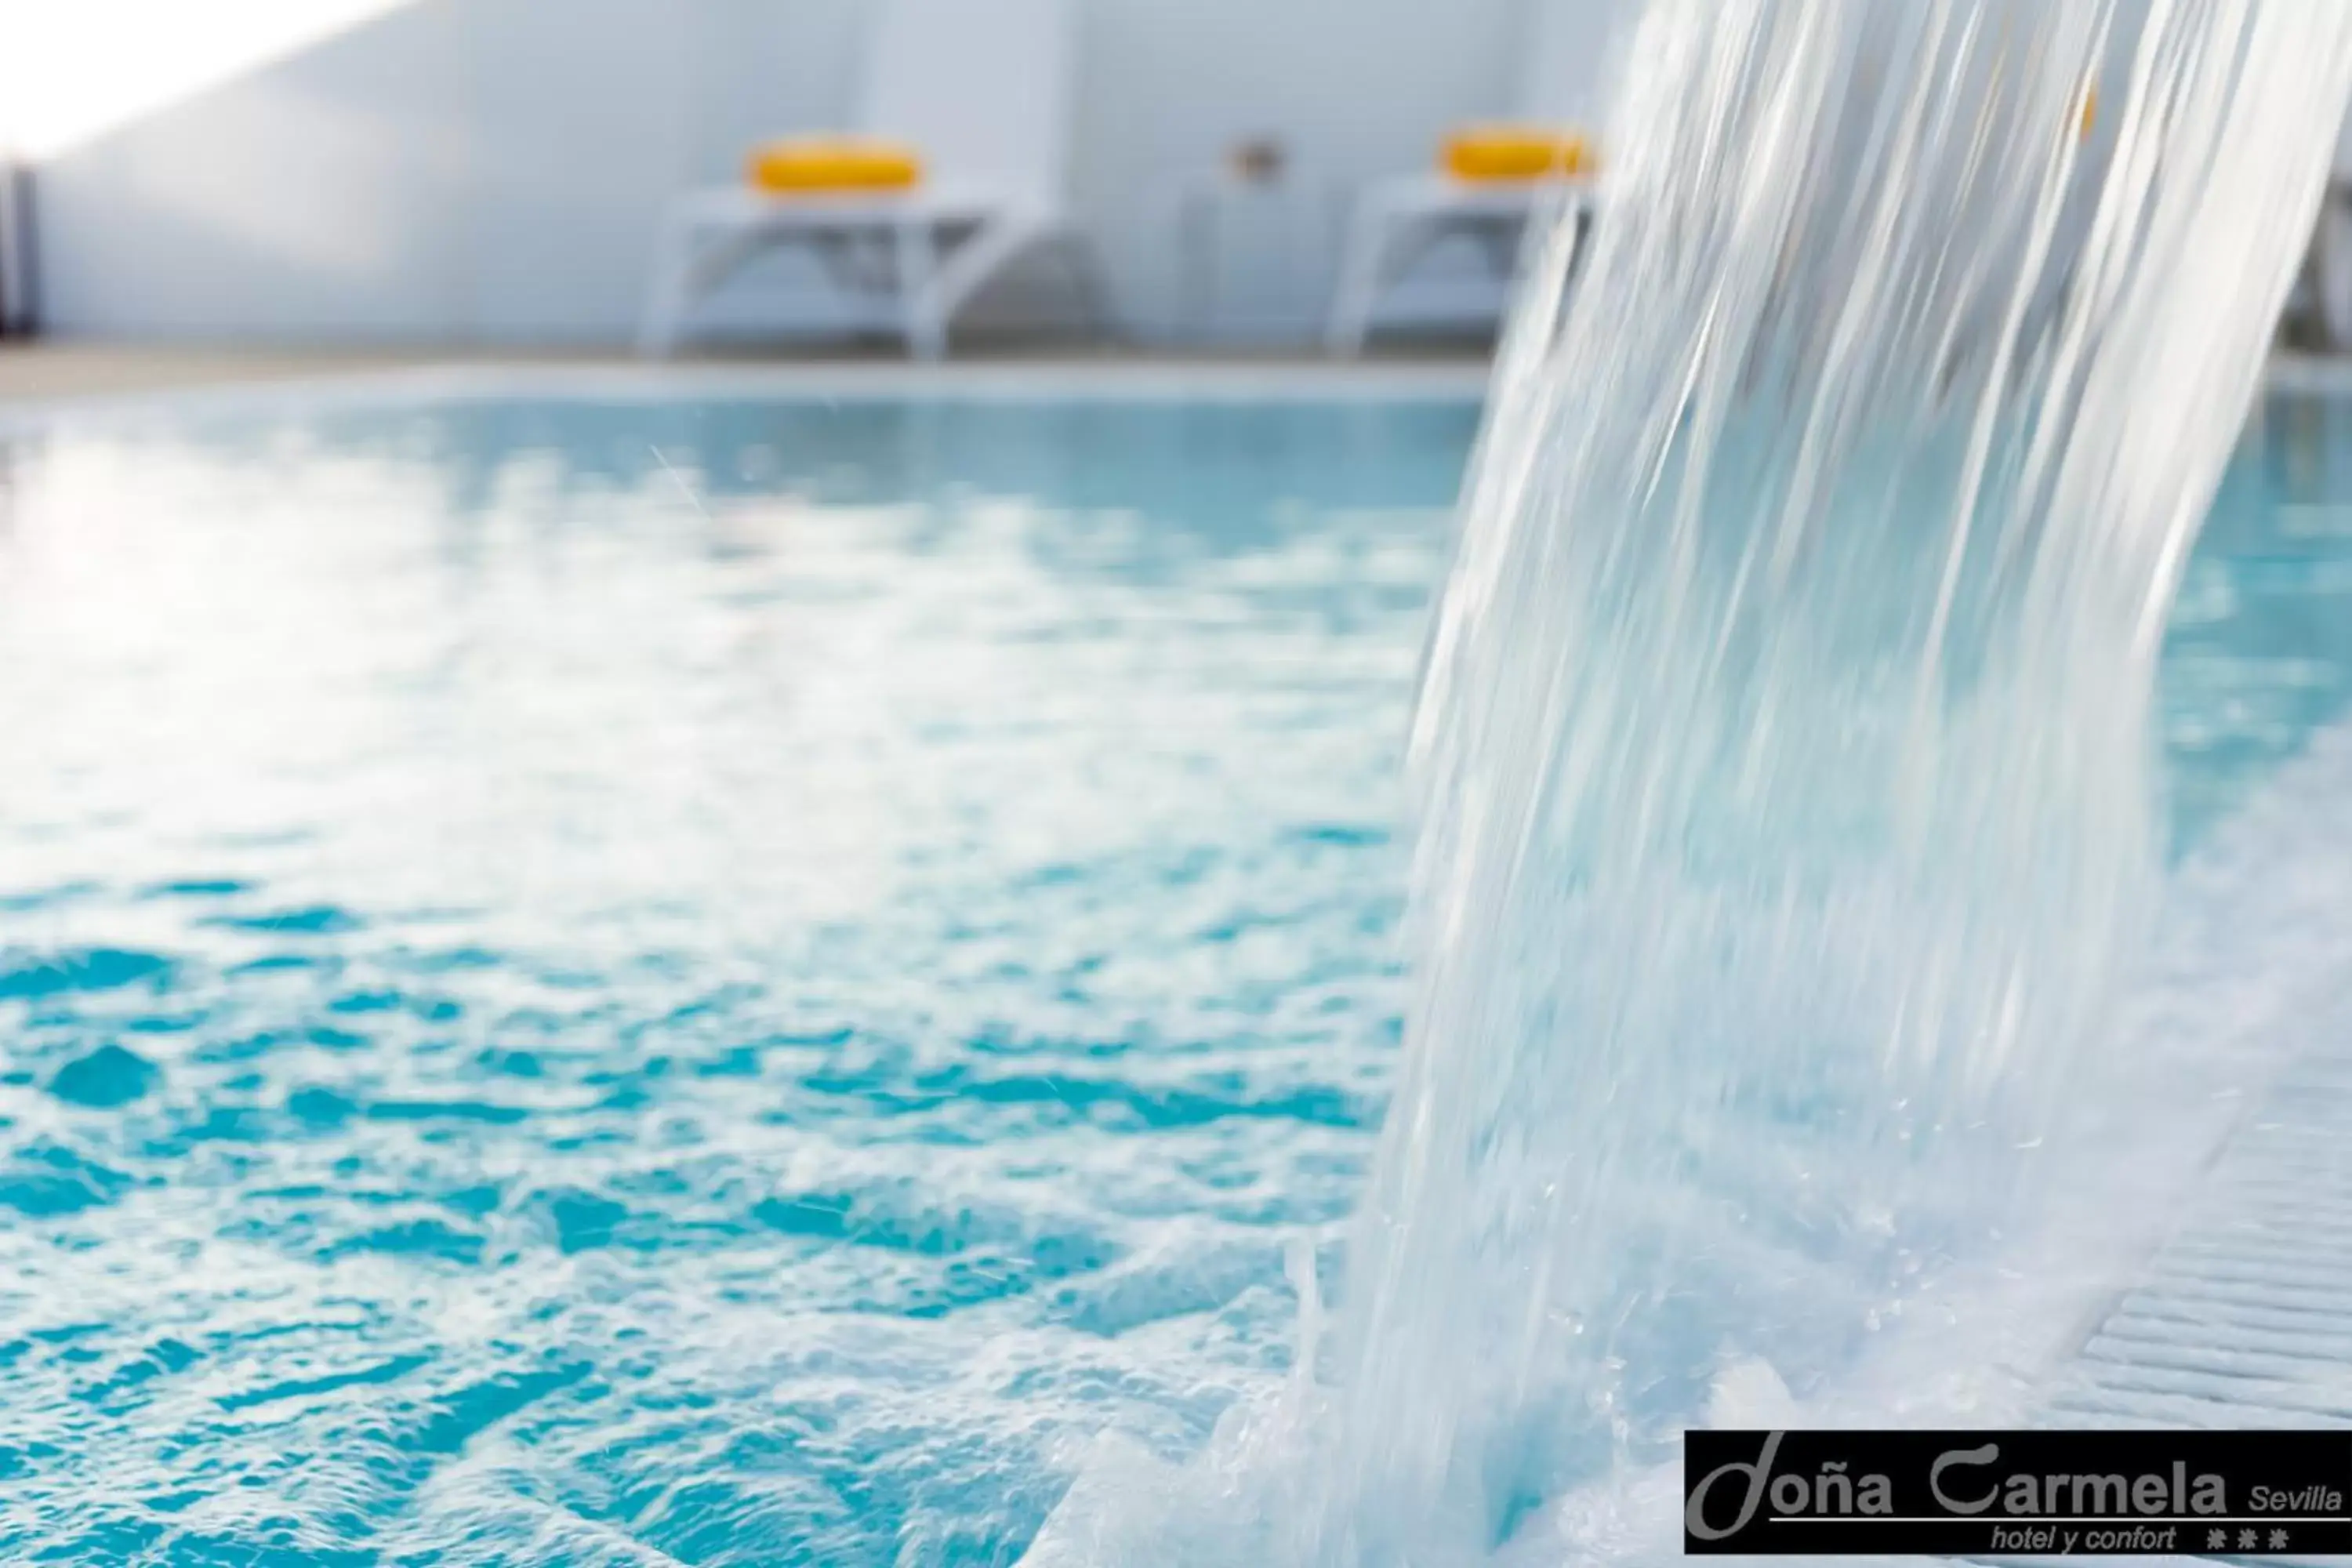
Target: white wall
[
  {"x": 1355, "y": 89},
  {"x": 316, "y": 196},
  {"x": 491, "y": 170}
]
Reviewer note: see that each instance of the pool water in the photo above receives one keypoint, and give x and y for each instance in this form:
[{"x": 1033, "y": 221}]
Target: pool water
[{"x": 652, "y": 981}]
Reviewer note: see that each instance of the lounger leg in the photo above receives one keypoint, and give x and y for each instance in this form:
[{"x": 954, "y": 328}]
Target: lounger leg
[
  {"x": 949, "y": 278},
  {"x": 687, "y": 266},
  {"x": 2335, "y": 268},
  {"x": 920, "y": 308},
  {"x": 1363, "y": 267},
  {"x": 668, "y": 293},
  {"x": 1087, "y": 285}
]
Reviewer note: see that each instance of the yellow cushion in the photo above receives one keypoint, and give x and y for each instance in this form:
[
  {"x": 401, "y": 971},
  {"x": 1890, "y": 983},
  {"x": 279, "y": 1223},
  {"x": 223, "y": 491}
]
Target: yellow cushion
[
  {"x": 1515, "y": 152},
  {"x": 795, "y": 165}
]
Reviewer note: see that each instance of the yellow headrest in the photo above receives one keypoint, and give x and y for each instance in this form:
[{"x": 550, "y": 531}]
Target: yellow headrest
[
  {"x": 793, "y": 164},
  {"x": 1516, "y": 153}
]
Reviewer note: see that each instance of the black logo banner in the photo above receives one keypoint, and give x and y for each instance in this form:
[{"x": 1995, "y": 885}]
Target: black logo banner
[{"x": 2037, "y": 1493}]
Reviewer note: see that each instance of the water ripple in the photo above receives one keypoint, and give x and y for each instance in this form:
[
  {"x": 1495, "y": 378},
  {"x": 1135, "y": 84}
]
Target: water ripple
[{"x": 542, "y": 1026}]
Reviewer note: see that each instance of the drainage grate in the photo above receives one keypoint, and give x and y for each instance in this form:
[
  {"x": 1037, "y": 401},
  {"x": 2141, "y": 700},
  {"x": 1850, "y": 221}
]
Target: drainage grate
[{"x": 2245, "y": 1317}]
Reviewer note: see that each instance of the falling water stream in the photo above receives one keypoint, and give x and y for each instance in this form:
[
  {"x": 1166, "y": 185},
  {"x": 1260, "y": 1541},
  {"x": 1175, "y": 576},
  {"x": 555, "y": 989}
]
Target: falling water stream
[{"x": 1781, "y": 758}]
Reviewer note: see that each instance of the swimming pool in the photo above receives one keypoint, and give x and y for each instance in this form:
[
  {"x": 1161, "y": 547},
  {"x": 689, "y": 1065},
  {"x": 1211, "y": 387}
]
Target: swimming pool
[{"x": 729, "y": 979}]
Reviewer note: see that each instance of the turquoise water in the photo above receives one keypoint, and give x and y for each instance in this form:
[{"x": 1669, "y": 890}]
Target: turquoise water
[{"x": 732, "y": 981}]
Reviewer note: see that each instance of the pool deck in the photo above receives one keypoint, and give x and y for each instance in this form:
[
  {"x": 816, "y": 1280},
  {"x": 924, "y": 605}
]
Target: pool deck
[
  {"x": 49, "y": 372},
  {"x": 42, "y": 371}
]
